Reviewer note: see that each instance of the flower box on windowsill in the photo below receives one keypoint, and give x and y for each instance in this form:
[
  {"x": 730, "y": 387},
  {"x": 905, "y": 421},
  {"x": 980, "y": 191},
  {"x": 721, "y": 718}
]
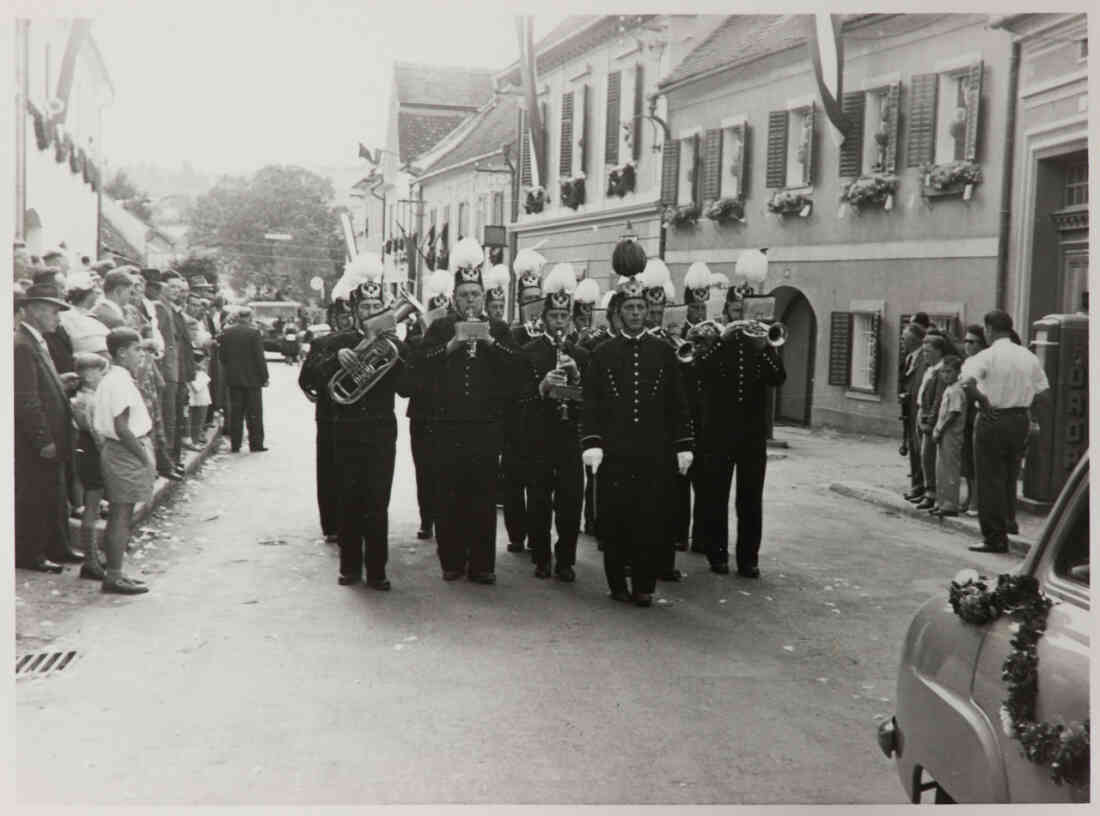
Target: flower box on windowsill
[
  {"x": 954, "y": 179},
  {"x": 572, "y": 191},
  {"x": 865, "y": 191},
  {"x": 728, "y": 209},
  {"x": 683, "y": 216},
  {"x": 788, "y": 202},
  {"x": 621, "y": 180},
  {"x": 536, "y": 200}
]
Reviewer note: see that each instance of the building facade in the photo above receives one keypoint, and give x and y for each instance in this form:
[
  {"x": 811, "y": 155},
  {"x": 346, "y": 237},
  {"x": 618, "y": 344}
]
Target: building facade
[
  {"x": 62, "y": 86},
  {"x": 904, "y": 217}
]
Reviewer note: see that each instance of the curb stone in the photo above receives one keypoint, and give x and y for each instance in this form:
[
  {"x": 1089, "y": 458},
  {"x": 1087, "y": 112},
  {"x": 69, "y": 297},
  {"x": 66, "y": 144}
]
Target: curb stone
[{"x": 1017, "y": 545}]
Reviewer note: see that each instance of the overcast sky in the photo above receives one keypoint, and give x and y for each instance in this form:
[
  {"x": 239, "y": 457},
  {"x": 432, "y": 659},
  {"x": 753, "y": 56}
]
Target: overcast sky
[{"x": 238, "y": 83}]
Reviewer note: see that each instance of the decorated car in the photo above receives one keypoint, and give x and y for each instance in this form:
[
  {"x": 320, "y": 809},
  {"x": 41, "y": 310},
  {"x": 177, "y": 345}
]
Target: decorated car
[{"x": 993, "y": 688}]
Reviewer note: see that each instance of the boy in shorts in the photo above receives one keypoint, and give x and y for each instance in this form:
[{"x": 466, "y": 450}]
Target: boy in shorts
[
  {"x": 123, "y": 423},
  {"x": 90, "y": 367}
]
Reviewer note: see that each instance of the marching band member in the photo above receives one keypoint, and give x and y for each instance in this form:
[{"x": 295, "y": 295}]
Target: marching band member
[
  {"x": 364, "y": 433},
  {"x": 496, "y": 291},
  {"x": 735, "y": 373},
  {"x": 528, "y": 266},
  {"x": 635, "y": 432},
  {"x": 696, "y": 293},
  {"x": 553, "y": 453},
  {"x": 437, "y": 294},
  {"x": 470, "y": 380},
  {"x": 585, "y": 297}
]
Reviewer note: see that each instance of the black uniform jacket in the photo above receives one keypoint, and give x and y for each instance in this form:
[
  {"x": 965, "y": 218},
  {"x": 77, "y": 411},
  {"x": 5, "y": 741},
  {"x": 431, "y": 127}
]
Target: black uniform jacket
[
  {"x": 733, "y": 379},
  {"x": 42, "y": 412},
  {"x": 542, "y": 416},
  {"x": 463, "y": 388},
  {"x": 319, "y": 367},
  {"x": 634, "y": 401}
]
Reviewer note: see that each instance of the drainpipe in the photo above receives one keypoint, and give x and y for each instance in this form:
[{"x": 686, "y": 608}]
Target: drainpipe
[
  {"x": 22, "y": 46},
  {"x": 1005, "y": 219}
]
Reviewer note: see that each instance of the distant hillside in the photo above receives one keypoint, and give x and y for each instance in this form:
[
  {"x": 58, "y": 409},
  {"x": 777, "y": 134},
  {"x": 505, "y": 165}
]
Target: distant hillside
[{"x": 158, "y": 181}]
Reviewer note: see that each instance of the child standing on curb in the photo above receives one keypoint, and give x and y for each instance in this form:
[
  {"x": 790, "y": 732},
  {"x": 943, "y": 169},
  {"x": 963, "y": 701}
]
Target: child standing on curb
[
  {"x": 91, "y": 368},
  {"x": 948, "y": 436},
  {"x": 198, "y": 397}
]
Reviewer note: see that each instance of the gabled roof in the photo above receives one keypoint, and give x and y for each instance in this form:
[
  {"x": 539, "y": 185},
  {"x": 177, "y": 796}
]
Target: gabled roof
[
  {"x": 417, "y": 133},
  {"x": 442, "y": 86},
  {"x": 491, "y": 128}
]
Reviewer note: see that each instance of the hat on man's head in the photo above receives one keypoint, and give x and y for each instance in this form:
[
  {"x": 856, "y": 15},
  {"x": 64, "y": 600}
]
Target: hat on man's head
[
  {"x": 628, "y": 259},
  {"x": 47, "y": 275},
  {"x": 151, "y": 275},
  {"x": 528, "y": 265},
  {"x": 697, "y": 283},
  {"x": 658, "y": 282},
  {"x": 46, "y": 292},
  {"x": 585, "y": 296},
  {"x": 466, "y": 261},
  {"x": 365, "y": 274},
  {"x": 559, "y": 286},
  {"x": 438, "y": 288},
  {"x": 496, "y": 283},
  {"x": 170, "y": 274}
]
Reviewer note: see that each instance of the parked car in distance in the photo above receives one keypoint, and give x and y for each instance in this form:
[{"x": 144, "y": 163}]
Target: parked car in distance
[
  {"x": 947, "y": 735},
  {"x": 270, "y": 317}
]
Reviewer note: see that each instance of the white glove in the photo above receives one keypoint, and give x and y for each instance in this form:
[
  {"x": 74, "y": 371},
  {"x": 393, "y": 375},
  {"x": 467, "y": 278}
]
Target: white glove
[
  {"x": 684, "y": 460},
  {"x": 592, "y": 458}
]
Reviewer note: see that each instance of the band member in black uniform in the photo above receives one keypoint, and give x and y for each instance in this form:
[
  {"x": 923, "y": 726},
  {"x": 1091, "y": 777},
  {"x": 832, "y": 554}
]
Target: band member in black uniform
[
  {"x": 437, "y": 289},
  {"x": 696, "y": 294},
  {"x": 470, "y": 380},
  {"x": 528, "y": 266},
  {"x": 636, "y": 433},
  {"x": 552, "y": 445},
  {"x": 610, "y": 303},
  {"x": 735, "y": 372},
  {"x": 328, "y": 479},
  {"x": 585, "y": 298},
  {"x": 496, "y": 292},
  {"x": 364, "y": 433}
]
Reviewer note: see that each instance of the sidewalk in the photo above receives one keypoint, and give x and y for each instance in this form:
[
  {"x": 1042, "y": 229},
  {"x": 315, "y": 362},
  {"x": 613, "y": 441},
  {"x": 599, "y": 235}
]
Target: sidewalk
[{"x": 869, "y": 468}]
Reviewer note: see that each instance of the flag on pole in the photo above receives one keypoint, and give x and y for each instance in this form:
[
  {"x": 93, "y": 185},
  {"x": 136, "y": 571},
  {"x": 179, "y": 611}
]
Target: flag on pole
[
  {"x": 529, "y": 78},
  {"x": 827, "y": 55}
]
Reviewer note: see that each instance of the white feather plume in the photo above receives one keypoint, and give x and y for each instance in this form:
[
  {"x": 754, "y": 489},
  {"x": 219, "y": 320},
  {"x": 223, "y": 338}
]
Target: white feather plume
[
  {"x": 587, "y": 291},
  {"x": 698, "y": 276},
  {"x": 719, "y": 279},
  {"x": 366, "y": 266},
  {"x": 656, "y": 274},
  {"x": 497, "y": 277},
  {"x": 561, "y": 279},
  {"x": 527, "y": 260},
  {"x": 467, "y": 253},
  {"x": 605, "y": 301},
  {"x": 440, "y": 282}
]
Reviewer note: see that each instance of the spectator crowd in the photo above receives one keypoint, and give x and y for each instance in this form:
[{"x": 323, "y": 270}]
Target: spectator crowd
[{"x": 116, "y": 374}]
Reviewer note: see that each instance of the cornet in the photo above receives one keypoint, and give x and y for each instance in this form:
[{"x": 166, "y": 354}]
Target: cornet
[{"x": 774, "y": 333}]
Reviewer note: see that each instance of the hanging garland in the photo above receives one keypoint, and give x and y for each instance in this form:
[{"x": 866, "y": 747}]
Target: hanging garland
[{"x": 1064, "y": 749}]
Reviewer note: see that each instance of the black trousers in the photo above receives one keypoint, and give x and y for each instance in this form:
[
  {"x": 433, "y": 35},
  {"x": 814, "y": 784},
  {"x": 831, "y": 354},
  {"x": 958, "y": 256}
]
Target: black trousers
[
  {"x": 246, "y": 406},
  {"x": 328, "y": 480},
  {"x": 515, "y": 492},
  {"x": 170, "y": 395},
  {"x": 749, "y": 458},
  {"x": 555, "y": 488},
  {"x": 420, "y": 440},
  {"x": 999, "y": 447},
  {"x": 633, "y": 520},
  {"x": 466, "y": 522},
  {"x": 363, "y": 454},
  {"x": 589, "y": 501},
  {"x": 40, "y": 512}
]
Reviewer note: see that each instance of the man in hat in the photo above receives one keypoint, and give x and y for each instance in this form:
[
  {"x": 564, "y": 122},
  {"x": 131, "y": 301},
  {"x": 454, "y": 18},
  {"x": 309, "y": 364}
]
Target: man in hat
[
  {"x": 551, "y": 444},
  {"x": 43, "y": 428},
  {"x": 363, "y": 434},
  {"x": 241, "y": 350},
  {"x": 735, "y": 373},
  {"x": 636, "y": 433},
  {"x": 177, "y": 365},
  {"x": 471, "y": 380}
]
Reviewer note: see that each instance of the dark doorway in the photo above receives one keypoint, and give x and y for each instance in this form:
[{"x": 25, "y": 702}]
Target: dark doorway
[{"x": 794, "y": 399}]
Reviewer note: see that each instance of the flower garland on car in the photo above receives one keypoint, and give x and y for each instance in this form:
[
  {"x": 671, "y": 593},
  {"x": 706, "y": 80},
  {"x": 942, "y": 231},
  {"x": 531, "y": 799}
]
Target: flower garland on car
[
  {"x": 572, "y": 191},
  {"x": 727, "y": 209},
  {"x": 877, "y": 188},
  {"x": 681, "y": 216},
  {"x": 1064, "y": 749}
]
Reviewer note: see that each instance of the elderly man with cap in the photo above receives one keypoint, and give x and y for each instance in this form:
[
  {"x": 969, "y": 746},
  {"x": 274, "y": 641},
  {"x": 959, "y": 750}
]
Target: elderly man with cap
[
  {"x": 551, "y": 445},
  {"x": 528, "y": 266},
  {"x": 636, "y": 434},
  {"x": 241, "y": 350},
  {"x": 43, "y": 436},
  {"x": 735, "y": 373},
  {"x": 469, "y": 363},
  {"x": 364, "y": 432}
]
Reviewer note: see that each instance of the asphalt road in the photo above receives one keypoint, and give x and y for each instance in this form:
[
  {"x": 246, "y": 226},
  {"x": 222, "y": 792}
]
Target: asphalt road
[{"x": 248, "y": 676}]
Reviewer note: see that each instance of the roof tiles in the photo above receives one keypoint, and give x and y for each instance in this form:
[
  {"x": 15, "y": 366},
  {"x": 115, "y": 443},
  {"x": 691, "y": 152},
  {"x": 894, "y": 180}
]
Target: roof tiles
[
  {"x": 442, "y": 85},
  {"x": 493, "y": 128}
]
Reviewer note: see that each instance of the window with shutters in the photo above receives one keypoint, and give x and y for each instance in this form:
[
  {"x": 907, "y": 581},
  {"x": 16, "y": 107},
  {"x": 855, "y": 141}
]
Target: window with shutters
[
  {"x": 733, "y": 161},
  {"x": 951, "y": 119},
  {"x": 636, "y": 131},
  {"x": 791, "y": 147},
  {"x": 444, "y": 230},
  {"x": 565, "y": 153},
  {"x": 524, "y": 150},
  {"x": 690, "y": 172},
  {"x": 612, "y": 135},
  {"x": 864, "y": 361}
]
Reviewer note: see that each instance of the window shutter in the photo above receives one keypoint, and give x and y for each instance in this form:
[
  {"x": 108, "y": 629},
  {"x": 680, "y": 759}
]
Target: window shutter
[
  {"x": 809, "y": 125},
  {"x": 696, "y": 170},
  {"x": 639, "y": 101},
  {"x": 583, "y": 140},
  {"x": 544, "y": 177},
  {"x": 777, "y": 149},
  {"x": 876, "y": 350},
  {"x": 744, "y": 170},
  {"x": 611, "y": 140},
  {"x": 565, "y": 155},
  {"x": 973, "y": 109},
  {"x": 893, "y": 105},
  {"x": 840, "y": 348},
  {"x": 922, "y": 120},
  {"x": 712, "y": 165},
  {"x": 670, "y": 172},
  {"x": 524, "y": 150},
  {"x": 851, "y": 152}
]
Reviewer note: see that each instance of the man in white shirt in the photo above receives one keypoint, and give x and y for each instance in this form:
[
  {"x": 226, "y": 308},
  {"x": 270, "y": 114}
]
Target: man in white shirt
[
  {"x": 118, "y": 287},
  {"x": 123, "y": 422},
  {"x": 1006, "y": 380}
]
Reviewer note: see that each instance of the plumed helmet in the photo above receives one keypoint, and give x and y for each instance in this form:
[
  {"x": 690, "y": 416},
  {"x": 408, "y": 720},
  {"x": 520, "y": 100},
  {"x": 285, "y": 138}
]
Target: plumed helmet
[
  {"x": 585, "y": 295},
  {"x": 528, "y": 265},
  {"x": 657, "y": 281},
  {"x": 559, "y": 286},
  {"x": 605, "y": 301},
  {"x": 496, "y": 283},
  {"x": 466, "y": 261},
  {"x": 697, "y": 283},
  {"x": 365, "y": 275},
  {"x": 438, "y": 288},
  {"x": 628, "y": 259}
]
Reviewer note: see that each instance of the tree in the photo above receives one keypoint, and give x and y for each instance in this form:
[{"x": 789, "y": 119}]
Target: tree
[
  {"x": 130, "y": 196},
  {"x": 237, "y": 213}
]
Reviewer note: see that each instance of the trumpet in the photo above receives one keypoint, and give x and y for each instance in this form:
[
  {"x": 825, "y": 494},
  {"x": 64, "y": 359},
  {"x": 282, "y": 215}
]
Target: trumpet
[
  {"x": 701, "y": 334},
  {"x": 774, "y": 333}
]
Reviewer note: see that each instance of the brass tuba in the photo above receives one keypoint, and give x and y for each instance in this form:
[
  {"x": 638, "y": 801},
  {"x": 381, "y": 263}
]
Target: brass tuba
[{"x": 376, "y": 353}]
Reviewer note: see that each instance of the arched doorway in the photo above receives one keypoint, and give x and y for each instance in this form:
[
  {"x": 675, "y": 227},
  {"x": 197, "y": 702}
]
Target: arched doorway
[{"x": 794, "y": 399}]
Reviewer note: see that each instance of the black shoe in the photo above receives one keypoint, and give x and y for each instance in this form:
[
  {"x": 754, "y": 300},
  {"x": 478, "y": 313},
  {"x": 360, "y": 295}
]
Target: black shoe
[
  {"x": 672, "y": 575},
  {"x": 1013, "y": 528},
  {"x": 621, "y": 595},
  {"x": 258, "y": 450},
  {"x": 915, "y": 494},
  {"x": 425, "y": 532},
  {"x": 171, "y": 475},
  {"x": 926, "y": 503},
  {"x": 234, "y": 450},
  {"x": 643, "y": 599},
  {"x": 45, "y": 565},
  {"x": 452, "y": 575},
  {"x": 483, "y": 577},
  {"x": 721, "y": 569},
  {"x": 941, "y": 513},
  {"x": 542, "y": 570},
  {"x": 71, "y": 557},
  {"x": 515, "y": 546},
  {"x": 987, "y": 548},
  {"x": 94, "y": 572},
  {"x": 122, "y": 586},
  {"x": 379, "y": 583},
  {"x": 565, "y": 574},
  {"x": 348, "y": 580},
  {"x": 748, "y": 572}
]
